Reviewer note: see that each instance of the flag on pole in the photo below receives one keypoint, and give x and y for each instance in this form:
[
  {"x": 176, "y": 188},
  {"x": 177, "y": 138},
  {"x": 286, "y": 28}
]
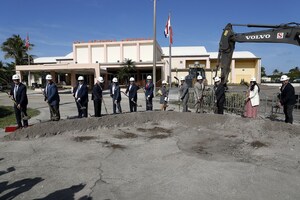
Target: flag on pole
[
  {"x": 168, "y": 30},
  {"x": 27, "y": 44}
]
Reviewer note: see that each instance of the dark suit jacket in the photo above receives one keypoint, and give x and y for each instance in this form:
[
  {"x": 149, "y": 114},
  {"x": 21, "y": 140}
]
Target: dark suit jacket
[
  {"x": 82, "y": 93},
  {"x": 220, "y": 93},
  {"x": 97, "y": 92},
  {"x": 21, "y": 96},
  {"x": 52, "y": 94},
  {"x": 149, "y": 90},
  {"x": 117, "y": 92},
  {"x": 287, "y": 96},
  {"x": 132, "y": 93}
]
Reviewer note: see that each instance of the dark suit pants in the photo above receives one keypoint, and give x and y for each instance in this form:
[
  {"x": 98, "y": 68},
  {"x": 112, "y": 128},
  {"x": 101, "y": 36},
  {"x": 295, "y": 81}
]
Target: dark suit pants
[
  {"x": 54, "y": 112},
  {"x": 132, "y": 106},
  {"x": 82, "y": 112},
  {"x": 19, "y": 114},
  {"x": 149, "y": 105},
  {"x": 117, "y": 106},
  {"x": 288, "y": 112},
  {"x": 97, "y": 108},
  {"x": 220, "y": 108}
]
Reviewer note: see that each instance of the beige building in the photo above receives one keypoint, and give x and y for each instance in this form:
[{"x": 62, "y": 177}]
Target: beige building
[{"x": 105, "y": 57}]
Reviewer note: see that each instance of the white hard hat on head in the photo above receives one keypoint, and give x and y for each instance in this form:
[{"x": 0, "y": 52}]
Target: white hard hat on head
[
  {"x": 182, "y": 78},
  {"x": 15, "y": 77},
  {"x": 217, "y": 79},
  {"x": 80, "y": 78},
  {"x": 199, "y": 77},
  {"x": 164, "y": 82},
  {"x": 284, "y": 78},
  {"x": 100, "y": 79},
  {"x": 131, "y": 79},
  {"x": 149, "y": 77},
  {"x": 115, "y": 80},
  {"x": 48, "y": 77},
  {"x": 252, "y": 79}
]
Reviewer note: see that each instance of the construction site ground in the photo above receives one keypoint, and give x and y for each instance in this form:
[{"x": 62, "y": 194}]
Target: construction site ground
[{"x": 148, "y": 155}]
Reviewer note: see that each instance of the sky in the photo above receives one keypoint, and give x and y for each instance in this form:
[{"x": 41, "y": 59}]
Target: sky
[{"x": 53, "y": 25}]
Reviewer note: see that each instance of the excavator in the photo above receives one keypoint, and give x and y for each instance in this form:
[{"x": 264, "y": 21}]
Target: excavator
[{"x": 284, "y": 33}]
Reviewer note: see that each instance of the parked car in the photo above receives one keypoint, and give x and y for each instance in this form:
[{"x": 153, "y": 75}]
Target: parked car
[{"x": 297, "y": 80}]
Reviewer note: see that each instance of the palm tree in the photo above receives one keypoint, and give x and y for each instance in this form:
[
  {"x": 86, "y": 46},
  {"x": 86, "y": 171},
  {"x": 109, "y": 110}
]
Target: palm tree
[
  {"x": 6, "y": 72},
  {"x": 126, "y": 71},
  {"x": 15, "y": 48}
]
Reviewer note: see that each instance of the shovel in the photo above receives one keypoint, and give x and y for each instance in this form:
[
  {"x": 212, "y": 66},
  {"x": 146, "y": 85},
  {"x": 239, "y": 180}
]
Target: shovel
[
  {"x": 81, "y": 107},
  {"x": 132, "y": 100},
  {"x": 23, "y": 116}
]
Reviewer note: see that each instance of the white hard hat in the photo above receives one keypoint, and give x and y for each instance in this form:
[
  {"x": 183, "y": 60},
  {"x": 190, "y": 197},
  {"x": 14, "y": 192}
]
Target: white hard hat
[
  {"x": 217, "y": 79},
  {"x": 100, "y": 79},
  {"x": 80, "y": 78},
  {"x": 199, "y": 77},
  {"x": 253, "y": 79},
  {"x": 131, "y": 79},
  {"x": 182, "y": 78},
  {"x": 15, "y": 77},
  {"x": 48, "y": 77},
  {"x": 115, "y": 80},
  {"x": 149, "y": 77},
  {"x": 164, "y": 82},
  {"x": 284, "y": 78}
]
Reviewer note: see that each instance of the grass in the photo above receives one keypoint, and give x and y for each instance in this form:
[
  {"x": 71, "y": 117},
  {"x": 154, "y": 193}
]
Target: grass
[{"x": 7, "y": 115}]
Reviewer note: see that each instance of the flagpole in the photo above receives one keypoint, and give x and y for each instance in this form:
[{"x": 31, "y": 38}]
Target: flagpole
[
  {"x": 154, "y": 46},
  {"x": 27, "y": 45},
  {"x": 170, "y": 55}
]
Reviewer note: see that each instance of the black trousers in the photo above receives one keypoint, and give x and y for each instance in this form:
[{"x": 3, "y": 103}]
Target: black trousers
[
  {"x": 132, "y": 106},
  {"x": 19, "y": 114},
  {"x": 149, "y": 105},
  {"x": 117, "y": 105},
  {"x": 54, "y": 112},
  {"x": 97, "y": 108},
  {"x": 82, "y": 112},
  {"x": 220, "y": 108},
  {"x": 288, "y": 112}
]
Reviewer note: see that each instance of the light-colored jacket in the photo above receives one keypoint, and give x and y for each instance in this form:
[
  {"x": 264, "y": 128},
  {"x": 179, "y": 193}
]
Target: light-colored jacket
[
  {"x": 254, "y": 96},
  {"x": 198, "y": 90}
]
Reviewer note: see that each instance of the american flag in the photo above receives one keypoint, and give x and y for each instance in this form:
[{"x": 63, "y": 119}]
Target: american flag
[
  {"x": 27, "y": 44},
  {"x": 168, "y": 30}
]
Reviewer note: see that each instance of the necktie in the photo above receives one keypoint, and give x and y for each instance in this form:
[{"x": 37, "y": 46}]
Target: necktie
[{"x": 15, "y": 91}]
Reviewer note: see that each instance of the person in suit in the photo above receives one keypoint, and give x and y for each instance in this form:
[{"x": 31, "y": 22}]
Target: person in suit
[
  {"x": 132, "y": 94},
  {"x": 52, "y": 98},
  {"x": 80, "y": 93},
  {"x": 18, "y": 93},
  {"x": 199, "y": 88},
  {"x": 164, "y": 96},
  {"x": 220, "y": 95},
  {"x": 149, "y": 93},
  {"x": 287, "y": 98},
  {"x": 184, "y": 94},
  {"x": 97, "y": 96},
  {"x": 115, "y": 93}
]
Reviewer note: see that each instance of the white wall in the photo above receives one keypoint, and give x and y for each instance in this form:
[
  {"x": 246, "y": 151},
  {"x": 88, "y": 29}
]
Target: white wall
[
  {"x": 130, "y": 52},
  {"x": 113, "y": 54},
  {"x": 82, "y": 54},
  {"x": 98, "y": 54},
  {"x": 146, "y": 52}
]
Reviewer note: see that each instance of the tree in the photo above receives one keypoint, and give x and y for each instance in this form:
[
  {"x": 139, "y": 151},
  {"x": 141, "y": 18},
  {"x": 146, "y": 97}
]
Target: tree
[
  {"x": 294, "y": 73},
  {"x": 276, "y": 72},
  {"x": 15, "y": 48},
  {"x": 126, "y": 71},
  {"x": 6, "y": 72},
  {"x": 263, "y": 72}
]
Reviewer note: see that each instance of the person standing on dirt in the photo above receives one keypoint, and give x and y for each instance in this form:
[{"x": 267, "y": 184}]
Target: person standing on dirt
[
  {"x": 287, "y": 98},
  {"x": 149, "y": 93},
  {"x": 97, "y": 96},
  {"x": 184, "y": 94},
  {"x": 164, "y": 96},
  {"x": 52, "y": 98},
  {"x": 115, "y": 93},
  {"x": 219, "y": 95},
  {"x": 80, "y": 93},
  {"x": 18, "y": 92},
  {"x": 132, "y": 94},
  {"x": 252, "y": 100},
  {"x": 199, "y": 88}
]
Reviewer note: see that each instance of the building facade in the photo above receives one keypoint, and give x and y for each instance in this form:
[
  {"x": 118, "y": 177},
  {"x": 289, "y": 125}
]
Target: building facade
[{"x": 105, "y": 57}]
